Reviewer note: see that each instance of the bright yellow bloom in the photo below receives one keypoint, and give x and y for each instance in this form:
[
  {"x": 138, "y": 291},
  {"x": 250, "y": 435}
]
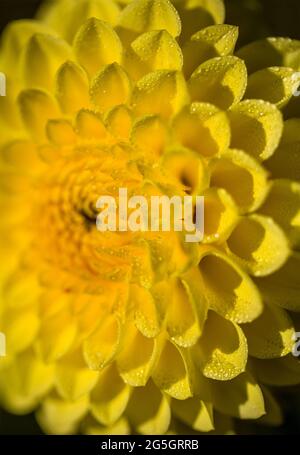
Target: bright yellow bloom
[{"x": 142, "y": 332}]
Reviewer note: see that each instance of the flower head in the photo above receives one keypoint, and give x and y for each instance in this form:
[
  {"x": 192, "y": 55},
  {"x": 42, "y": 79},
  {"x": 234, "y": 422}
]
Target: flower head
[{"x": 120, "y": 332}]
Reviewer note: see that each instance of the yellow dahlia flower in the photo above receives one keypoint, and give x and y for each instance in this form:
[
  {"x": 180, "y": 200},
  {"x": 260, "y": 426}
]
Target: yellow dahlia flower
[{"x": 141, "y": 332}]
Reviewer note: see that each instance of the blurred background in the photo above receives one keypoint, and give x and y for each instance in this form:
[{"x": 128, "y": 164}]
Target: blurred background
[{"x": 257, "y": 19}]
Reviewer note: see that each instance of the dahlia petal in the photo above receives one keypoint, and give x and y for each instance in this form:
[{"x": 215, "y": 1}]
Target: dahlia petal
[
  {"x": 275, "y": 85},
  {"x": 282, "y": 287},
  {"x": 188, "y": 168},
  {"x": 61, "y": 417},
  {"x": 136, "y": 359},
  {"x": 205, "y": 121},
  {"x": 90, "y": 125},
  {"x": 198, "y": 14},
  {"x": 119, "y": 122},
  {"x": 96, "y": 44},
  {"x": 15, "y": 38},
  {"x": 147, "y": 316},
  {"x": 273, "y": 416},
  {"x": 160, "y": 92},
  {"x": 268, "y": 249},
  {"x": 222, "y": 349},
  {"x": 192, "y": 282},
  {"x": 24, "y": 382},
  {"x": 43, "y": 55},
  {"x": 102, "y": 345},
  {"x": 110, "y": 87},
  {"x": 73, "y": 378},
  {"x": 150, "y": 135},
  {"x": 285, "y": 162},
  {"x": 22, "y": 155},
  {"x": 60, "y": 132},
  {"x": 195, "y": 413},
  {"x": 213, "y": 41},
  {"x": 256, "y": 128},
  {"x": 277, "y": 341},
  {"x": 242, "y": 177},
  {"x": 110, "y": 397},
  {"x": 278, "y": 372},
  {"x": 21, "y": 327},
  {"x": 151, "y": 51},
  {"x": 241, "y": 397},
  {"x": 72, "y": 90},
  {"x": 220, "y": 215},
  {"x": 148, "y": 410},
  {"x": 228, "y": 289},
  {"x": 170, "y": 373},
  {"x": 146, "y": 15},
  {"x": 121, "y": 427},
  {"x": 182, "y": 324},
  {"x": 57, "y": 334},
  {"x": 220, "y": 81},
  {"x": 76, "y": 13},
  {"x": 283, "y": 205},
  {"x": 36, "y": 108},
  {"x": 21, "y": 289},
  {"x": 271, "y": 52}
]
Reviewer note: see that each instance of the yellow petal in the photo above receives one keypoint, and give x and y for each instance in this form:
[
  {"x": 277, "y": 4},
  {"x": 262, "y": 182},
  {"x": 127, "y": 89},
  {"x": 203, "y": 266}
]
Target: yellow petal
[
  {"x": 150, "y": 135},
  {"x": 57, "y": 334},
  {"x": 160, "y": 92},
  {"x": 271, "y": 52},
  {"x": 121, "y": 427},
  {"x": 119, "y": 121},
  {"x": 182, "y": 322},
  {"x": 60, "y": 417},
  {"x": 188, "y": 168},
  {"x": 60, "y": 132},
  {"x": 285, "y": 162},
  {"x": 242, "y": 177},
  {"x": 214, "y": 41},
  {"x": 149, "y": 410},
  {"x": 194, "y": 413},
  {"x": 101, "y": 346},
  {"x": 221, "y": 81},
  {"x": 43, "y": 56},
  {"x": 110, "y": 87},
  {"x": 275, "y": 85},
  {"x": 222, "y": 349},
  {"x": 282, "y": 287},
  {"x": 37, "y": 107},
  {"x": 110, "y": 396},
  {"x": 96, "y": 44},
  {"x": 283, "y": 205},
  {"x": 256, "y": 128},
  {"x": 197, "y": 14},
  {"x": 277, "y": 340},
  {"x": 75, "y": 13},
  {"x": 72, "y": 89},
  {"x": 90, "y": 125},
  {"x": 136, "y": 359},
  {"x": 220, "y": 215},
  {"x": 73, "y": 378},
  {"x": 204, "y": 121},
  {"x": 227, "y": 288},
  {"x": 153, "y": 51},
  {"x": 146, "y": 15},
  {"x": 241, "y": 397},
  {"x": 147, "y": 315},
  {"x": 259, "y": 245},
  {"x": 170, "y": 374}
]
